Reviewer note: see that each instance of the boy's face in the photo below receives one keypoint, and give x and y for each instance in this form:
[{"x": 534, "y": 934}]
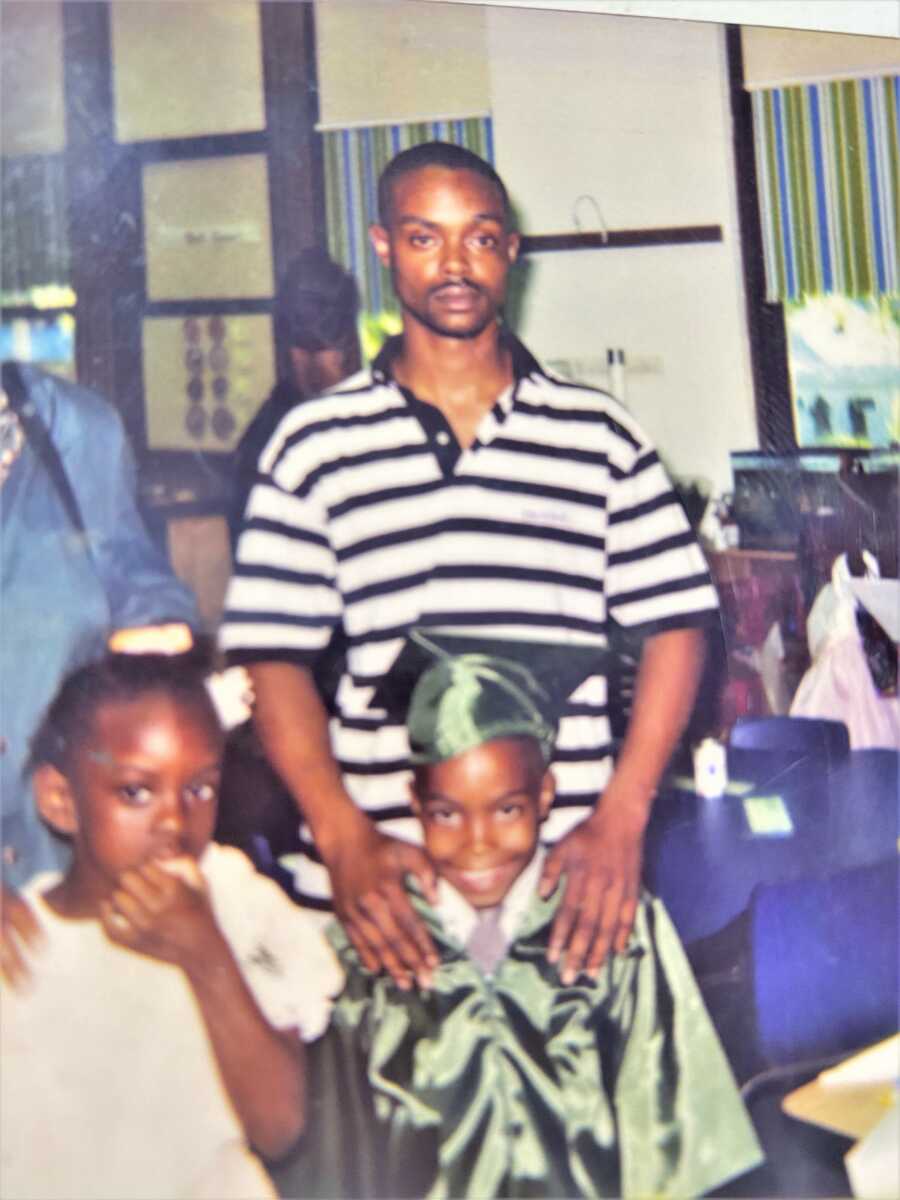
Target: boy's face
[
  {"x": 144, "y": 785},
  {"x": 481, "y": 812}
]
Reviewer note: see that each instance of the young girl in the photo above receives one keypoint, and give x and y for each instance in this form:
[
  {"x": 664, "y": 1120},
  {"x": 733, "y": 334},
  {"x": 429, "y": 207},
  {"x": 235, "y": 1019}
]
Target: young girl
[
  {"x": 160, "y": 1042},
  {"x": 502, "y": 1080}
]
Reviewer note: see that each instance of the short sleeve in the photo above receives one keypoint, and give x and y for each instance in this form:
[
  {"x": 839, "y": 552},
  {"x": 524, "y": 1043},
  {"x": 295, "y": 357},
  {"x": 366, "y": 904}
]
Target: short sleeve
[
  {"x": 280, "y": 949},
  {"x": 657, "y": 577},
  {"x": 283, "y": 601}
]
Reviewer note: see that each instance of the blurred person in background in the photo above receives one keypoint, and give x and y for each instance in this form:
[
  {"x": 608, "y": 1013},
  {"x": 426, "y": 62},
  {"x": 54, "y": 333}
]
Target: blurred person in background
[{"x": 316, "y": 309}]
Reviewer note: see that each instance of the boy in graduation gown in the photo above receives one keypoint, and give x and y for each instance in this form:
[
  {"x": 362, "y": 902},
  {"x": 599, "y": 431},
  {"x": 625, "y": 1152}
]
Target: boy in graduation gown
[{"x": 501, "y": 1080}]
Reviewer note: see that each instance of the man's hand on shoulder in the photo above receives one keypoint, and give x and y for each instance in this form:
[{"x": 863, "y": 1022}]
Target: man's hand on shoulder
[
  {"x": 367, "y": 870},
  {"x": 20, "y": 933},
  {"x": 601, "y": 857},
  {"x": 601, "y": 862}
]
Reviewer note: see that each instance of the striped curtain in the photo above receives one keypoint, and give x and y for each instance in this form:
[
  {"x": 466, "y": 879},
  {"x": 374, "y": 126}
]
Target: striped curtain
[
  {"x": 353, "y": 160},
  {"x": 828, "y": 167}
]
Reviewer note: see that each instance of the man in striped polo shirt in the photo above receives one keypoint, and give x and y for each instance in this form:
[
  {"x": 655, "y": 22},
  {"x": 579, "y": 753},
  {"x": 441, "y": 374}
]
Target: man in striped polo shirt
[{"x": 458, "y": 486}]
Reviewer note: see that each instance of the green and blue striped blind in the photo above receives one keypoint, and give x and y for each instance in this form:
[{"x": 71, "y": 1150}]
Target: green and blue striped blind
[{"x": 828, "y": 171}]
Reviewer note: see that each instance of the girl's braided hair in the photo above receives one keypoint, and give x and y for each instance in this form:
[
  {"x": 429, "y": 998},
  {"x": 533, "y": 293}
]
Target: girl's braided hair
[{"x": 117, "y": 678}]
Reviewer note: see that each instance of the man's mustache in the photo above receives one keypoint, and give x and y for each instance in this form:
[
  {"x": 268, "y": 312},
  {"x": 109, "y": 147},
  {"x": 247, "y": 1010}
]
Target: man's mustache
[{"x": 455, "y": 284}]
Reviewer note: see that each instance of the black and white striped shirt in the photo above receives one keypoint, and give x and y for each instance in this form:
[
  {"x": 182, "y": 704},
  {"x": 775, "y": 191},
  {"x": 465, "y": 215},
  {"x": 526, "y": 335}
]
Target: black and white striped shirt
[{"x": 367, "y": 514}]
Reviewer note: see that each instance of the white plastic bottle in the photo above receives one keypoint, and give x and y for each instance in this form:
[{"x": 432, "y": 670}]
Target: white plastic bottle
[{"x": 710, "y": 769}]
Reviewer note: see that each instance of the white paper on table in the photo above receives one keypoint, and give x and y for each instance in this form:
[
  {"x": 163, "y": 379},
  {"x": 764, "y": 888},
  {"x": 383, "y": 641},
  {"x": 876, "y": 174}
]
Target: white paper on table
[
  {"x": 876, "y": 1064},
  {"x": 853, "y": 1097},
  {"x": 873, "y": 1164}
]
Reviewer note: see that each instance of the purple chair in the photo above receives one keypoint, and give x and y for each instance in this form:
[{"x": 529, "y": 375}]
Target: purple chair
[
  {"x": 806, "y": 735},
  {"x": 824, "y": 966}
]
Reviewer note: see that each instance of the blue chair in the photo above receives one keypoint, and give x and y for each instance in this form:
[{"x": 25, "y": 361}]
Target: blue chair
[
  {"x": 807, "y": 735},
  {"x": 824, "y": 961}
]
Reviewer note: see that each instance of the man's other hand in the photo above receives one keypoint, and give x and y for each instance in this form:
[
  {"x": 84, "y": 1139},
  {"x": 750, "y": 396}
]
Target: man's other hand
[
  {"x": 367, "y": 871},
  {"x": 601, "y": 862}
]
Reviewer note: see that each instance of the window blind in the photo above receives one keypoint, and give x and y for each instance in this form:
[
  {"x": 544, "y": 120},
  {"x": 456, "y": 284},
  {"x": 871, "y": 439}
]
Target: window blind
[
  {"x": 828, "y": 172},
  {"x": 35, "y": 233},
  {"x": 381, "y": 62}
]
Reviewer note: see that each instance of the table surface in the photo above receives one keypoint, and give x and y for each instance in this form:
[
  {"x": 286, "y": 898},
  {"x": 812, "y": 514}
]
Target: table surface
[{"x": 703, "y": 860}]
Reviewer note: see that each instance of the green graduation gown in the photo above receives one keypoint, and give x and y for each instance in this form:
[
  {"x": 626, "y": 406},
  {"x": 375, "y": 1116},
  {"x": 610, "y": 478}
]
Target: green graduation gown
[{"x": 517, "y": 1085}]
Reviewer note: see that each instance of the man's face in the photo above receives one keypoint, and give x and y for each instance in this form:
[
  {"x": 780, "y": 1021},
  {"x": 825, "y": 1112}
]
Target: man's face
[
  {"x": 448, "y": 250},
  {"x": 481, "y": 812}
]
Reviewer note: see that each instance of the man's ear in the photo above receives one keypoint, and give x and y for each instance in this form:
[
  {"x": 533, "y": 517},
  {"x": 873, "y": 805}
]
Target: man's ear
[
  {"x": 547, "y": 793},
  {"x": 55, "y": 801},
  {"x": 381, "y": 243},
  {"x": 513, "y": 244}
]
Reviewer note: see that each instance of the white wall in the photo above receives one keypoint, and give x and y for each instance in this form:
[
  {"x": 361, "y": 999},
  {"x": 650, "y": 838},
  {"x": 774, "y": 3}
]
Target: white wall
[{"x": 634, "y": 112}]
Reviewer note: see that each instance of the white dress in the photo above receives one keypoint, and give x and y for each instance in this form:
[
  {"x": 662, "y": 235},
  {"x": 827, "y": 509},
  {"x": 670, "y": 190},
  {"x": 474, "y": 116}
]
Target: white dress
[{"x": 109, "y": 1088}]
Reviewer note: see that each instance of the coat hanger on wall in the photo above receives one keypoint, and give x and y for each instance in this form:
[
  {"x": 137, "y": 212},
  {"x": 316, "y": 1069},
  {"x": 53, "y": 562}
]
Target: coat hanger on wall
[{"x": 616, "y": 239}]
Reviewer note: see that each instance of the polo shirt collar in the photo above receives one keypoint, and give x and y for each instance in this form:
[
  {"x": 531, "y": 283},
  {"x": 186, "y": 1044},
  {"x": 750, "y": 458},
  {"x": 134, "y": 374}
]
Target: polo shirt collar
[{"x": 523, "y": 361}]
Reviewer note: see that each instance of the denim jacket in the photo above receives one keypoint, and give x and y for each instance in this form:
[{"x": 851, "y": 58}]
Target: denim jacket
[{"x": 62, "y": 593}]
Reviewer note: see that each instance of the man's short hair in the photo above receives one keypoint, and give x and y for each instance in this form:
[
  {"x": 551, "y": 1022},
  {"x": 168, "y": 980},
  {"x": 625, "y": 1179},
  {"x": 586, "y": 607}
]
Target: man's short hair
[
  {"x": 317, "y": 304},
  {"x": 436, "y": 154}
]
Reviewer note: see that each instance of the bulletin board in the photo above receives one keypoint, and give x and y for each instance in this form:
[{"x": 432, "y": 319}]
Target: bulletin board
[
  {"x": 207, "y": 228},
  {"x": 204, "y": 378}
]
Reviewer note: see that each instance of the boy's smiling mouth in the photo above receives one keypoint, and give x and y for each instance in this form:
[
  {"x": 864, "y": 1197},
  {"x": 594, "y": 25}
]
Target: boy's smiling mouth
[
  {"x": 483, "y": 881},
  {"x": 482, "y": 878}
]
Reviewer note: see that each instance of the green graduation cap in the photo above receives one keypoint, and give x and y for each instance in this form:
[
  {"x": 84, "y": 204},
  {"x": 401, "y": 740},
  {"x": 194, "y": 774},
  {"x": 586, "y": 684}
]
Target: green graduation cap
[{"x": 456, "y": 692}]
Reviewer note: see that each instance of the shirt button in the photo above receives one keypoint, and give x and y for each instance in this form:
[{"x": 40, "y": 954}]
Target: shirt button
[
  {"x": 4, "y": 745},
  {"x": 443, "y": 438},
  {"x": 10, "y": 856}
]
